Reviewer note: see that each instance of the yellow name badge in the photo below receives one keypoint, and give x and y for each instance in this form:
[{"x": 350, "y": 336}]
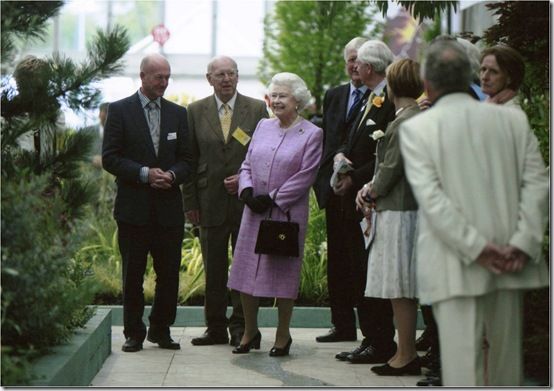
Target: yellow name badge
[{"x": 241, "y": 136}]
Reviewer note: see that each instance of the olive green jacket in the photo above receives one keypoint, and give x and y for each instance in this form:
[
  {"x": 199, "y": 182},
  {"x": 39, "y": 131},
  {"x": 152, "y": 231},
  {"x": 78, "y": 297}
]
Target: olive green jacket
[{"x": 390, "y": 183}]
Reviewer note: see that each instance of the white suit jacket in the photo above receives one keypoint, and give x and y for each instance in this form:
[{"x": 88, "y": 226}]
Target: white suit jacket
[{"x": 478, "y": 176}]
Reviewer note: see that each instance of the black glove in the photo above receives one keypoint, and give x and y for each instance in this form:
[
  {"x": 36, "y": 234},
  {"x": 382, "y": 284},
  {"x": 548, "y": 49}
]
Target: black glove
[
  {"x": 265, "y": 200},
  {"x": 252, "y": 202}
]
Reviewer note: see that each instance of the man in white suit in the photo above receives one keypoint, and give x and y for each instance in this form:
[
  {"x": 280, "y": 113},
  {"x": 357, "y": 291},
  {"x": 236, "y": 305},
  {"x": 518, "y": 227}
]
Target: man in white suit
[{"x": 482, "y": 189}]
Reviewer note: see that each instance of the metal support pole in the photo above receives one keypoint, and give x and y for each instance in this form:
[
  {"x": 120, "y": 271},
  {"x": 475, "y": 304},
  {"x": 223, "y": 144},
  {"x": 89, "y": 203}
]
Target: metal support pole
[{"x": 214, "y": 28}]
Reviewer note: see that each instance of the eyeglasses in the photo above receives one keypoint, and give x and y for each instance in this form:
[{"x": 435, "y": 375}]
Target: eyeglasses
[{"x": 221, "y": 75}]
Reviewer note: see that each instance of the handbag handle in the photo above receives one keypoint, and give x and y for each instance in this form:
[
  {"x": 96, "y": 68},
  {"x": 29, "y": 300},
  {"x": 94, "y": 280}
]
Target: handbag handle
[{"x": 273, "y": 203}]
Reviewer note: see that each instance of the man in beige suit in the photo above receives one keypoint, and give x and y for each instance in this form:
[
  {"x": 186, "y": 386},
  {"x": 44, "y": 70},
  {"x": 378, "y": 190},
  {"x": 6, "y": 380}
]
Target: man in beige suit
[
  {"x": 482, "y": 189},
  {"x": 220, "y": 128}
]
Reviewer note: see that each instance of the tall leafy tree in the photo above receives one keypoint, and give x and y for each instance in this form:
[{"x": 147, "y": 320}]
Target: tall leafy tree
[
  {"x": 44, "y": 289},
  {"x": 420, "y": 9},
  {"x": 308, "y": 37},
  {"x": 524, "y": 26}
]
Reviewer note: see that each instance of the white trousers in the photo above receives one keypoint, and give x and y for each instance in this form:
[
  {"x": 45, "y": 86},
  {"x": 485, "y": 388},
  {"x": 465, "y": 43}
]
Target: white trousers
[{"x": 465, "y": 323}]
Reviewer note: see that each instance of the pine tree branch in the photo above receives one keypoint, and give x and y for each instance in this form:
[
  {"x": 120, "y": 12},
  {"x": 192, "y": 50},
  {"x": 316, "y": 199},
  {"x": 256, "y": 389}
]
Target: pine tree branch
[{"x": 25, "y": 20}]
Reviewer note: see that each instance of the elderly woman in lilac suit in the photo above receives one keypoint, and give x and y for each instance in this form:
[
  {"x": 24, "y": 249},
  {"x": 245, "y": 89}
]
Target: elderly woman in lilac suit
[{"x": 280, "y": 167}]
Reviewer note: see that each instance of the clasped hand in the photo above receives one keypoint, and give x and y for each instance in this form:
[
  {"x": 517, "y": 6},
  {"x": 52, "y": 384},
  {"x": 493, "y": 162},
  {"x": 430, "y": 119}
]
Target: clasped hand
[
  {"x": 258, "y": 204},
  {"x": 502, "y": 259},
  {"x": 159, "y": 179},
  {"x": 361, "y": 203}
]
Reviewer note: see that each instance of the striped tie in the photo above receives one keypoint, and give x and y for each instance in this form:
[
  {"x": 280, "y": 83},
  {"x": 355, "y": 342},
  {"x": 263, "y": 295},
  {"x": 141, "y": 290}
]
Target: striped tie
[
  {"x": 357, "y": 95},
  {"x": 225, "y": 120},
  {"x": 154, "y": 124}
]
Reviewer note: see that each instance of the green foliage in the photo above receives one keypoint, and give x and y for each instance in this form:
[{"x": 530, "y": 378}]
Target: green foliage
[
  {"x": 537, "y": 109},
  {"x": 434, "y": 30},
  {"x": 15, "y": 365},
  {"x": 313, "y": 282},
  {"x": 24, "y": 20},
  {"x": 420, "y": 9},
  {"x": 45, "y": 284},
  {"x": 308, "y": 38},
  {"x": 44, "y": 292}
]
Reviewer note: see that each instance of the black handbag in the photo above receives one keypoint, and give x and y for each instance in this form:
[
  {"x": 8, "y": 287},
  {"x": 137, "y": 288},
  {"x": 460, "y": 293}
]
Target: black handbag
[{"x": 277, "y": 237}]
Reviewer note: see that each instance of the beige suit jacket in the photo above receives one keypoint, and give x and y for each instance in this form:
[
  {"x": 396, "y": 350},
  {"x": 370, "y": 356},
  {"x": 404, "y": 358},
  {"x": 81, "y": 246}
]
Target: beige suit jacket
[
  {"x": 213, "y": 160},
  {"x": 478, "y": 176}
]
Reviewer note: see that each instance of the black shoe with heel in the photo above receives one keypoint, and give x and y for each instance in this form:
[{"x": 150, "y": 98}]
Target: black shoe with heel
[
  {"x": 254, "y": 343},
  {"x": 412, "y": 368},
  {"x": 278, "y": 352}
]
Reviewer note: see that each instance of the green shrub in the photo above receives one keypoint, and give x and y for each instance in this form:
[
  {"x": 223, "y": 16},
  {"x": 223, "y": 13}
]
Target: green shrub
[
  {"x": 45, "y": 290},
  {"x": 313, "y": 281}
]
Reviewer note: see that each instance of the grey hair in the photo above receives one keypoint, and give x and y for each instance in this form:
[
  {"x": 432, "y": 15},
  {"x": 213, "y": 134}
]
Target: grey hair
[
  {"x": 446, "y": 67},
  {"x": 298, "y": 87},
  {"x": 376, "y": 54},
  {"x": 354, "y": 44},
  {"x": 474, "y": 55},
  {"x": 219, "y": 58}
]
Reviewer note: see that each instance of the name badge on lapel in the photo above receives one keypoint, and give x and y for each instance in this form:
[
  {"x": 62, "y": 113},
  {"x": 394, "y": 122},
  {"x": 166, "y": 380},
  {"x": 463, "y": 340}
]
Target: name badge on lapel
[
  {"x": 241, "y": 136},
  {"x": 172, "y": 136}
]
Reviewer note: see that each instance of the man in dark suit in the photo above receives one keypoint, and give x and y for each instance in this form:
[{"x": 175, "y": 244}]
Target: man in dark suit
[
  {"x": 340, "y": 107},
  {"x": 221, "y": 126},
  {"x": 374, "y": 315},
  {"x": 144, "y": 147}
]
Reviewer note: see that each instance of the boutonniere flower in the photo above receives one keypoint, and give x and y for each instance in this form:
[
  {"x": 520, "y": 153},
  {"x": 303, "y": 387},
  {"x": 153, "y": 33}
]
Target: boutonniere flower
[
  {"x": 377, "y": 134},
  {"x": 378, "y": 101}
]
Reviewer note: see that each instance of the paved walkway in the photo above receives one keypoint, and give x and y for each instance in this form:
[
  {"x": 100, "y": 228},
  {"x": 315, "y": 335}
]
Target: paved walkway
[{"x": 309, "y": 364}]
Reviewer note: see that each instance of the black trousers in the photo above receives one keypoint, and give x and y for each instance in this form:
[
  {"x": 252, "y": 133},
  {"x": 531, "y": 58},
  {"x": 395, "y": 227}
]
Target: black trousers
[
  {"x": 164, "y": 244},
  {"x": 346, "y": 279},
  {"x": 431, "y": 329}
]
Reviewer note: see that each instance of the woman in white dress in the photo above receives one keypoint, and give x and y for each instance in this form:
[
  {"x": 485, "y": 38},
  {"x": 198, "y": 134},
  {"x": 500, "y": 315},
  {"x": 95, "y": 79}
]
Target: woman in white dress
[{"x": 391, "y": 268}]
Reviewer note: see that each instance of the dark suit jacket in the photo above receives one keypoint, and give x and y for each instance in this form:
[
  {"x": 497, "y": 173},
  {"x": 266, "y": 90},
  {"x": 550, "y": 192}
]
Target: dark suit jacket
[
  {"x": 214, "y": 160},
  {"x": 335, "y": 130},
  {"x": 360, "y": 147},
  {"x": 127, "y": 147}
]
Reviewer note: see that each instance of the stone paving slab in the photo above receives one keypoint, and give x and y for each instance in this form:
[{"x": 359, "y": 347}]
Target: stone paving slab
[{"x": 310, "y": 364}]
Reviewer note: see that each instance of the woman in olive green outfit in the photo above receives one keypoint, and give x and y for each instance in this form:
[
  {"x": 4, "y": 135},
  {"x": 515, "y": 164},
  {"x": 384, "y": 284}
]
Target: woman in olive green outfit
[{"x": 391, "y": 267}]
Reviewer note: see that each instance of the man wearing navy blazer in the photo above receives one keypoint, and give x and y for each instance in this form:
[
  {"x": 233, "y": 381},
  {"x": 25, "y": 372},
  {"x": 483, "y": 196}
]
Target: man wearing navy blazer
[
  {"x": 374, "y": 314},
  {"x": 144, "y": 147},
  {"x": 340, "y": 107}
]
